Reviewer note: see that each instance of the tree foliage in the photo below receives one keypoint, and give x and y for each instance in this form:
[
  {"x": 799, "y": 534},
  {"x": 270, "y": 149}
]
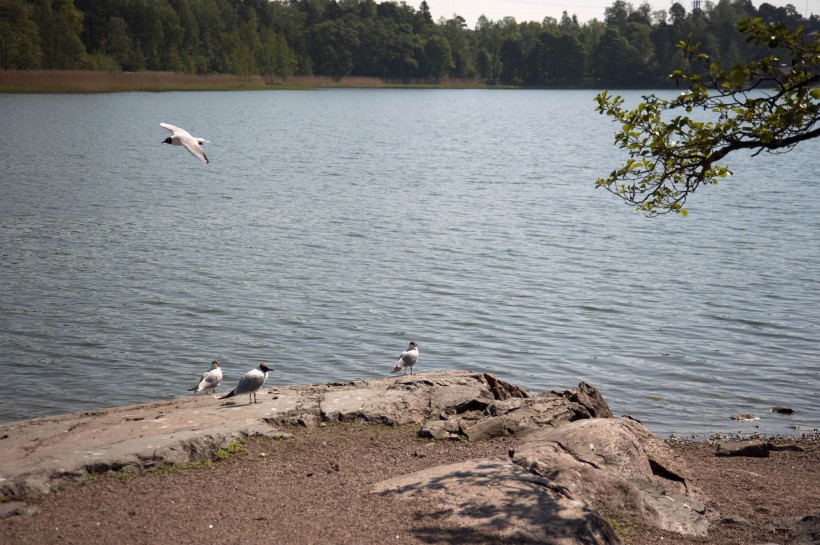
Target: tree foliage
[
  {"x": 769, "y": 103},
  {"x": 19, "y": 36},
  {"x": 632, "y": 47}
]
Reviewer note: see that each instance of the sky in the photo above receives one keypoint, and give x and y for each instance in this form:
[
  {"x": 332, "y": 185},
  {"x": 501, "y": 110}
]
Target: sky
[{"x": 536, "y": 10}]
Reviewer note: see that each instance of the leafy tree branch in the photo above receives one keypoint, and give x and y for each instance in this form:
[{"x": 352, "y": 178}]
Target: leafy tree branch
[{"x": 769, "y": 103}]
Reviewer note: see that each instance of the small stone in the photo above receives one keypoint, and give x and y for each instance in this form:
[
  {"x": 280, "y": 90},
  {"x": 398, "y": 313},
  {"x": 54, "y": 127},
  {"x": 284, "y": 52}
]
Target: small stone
[
  {"x": 745, "y": 417},
  {"x": 786, "y": 447},
  {"x": 754, "y": 448},
  {"x": 17, "y": 509},
  {"x": 783, "y": 410},
  {"x": 452, "y": 426},
  {"x": 734, "y": 520},
  {"x": 436, "y": 429}
]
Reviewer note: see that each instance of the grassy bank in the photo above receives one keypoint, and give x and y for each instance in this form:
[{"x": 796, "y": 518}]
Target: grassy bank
[{"x": 59, "y": 81}]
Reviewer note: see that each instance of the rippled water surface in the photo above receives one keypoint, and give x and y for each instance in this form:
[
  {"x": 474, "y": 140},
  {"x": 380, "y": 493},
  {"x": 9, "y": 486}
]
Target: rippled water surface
[{"x": 332, "y": 227}]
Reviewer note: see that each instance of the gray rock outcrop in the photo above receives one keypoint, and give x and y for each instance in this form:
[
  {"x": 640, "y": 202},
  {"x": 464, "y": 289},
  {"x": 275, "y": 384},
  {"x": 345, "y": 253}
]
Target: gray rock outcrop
[
  {"x": 36, "y": 454},
  {"x": 574, "y": 461}
]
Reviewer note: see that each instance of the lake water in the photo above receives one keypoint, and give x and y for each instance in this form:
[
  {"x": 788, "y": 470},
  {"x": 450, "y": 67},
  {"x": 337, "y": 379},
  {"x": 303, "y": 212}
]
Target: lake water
[{"x": 332, "y": 227}]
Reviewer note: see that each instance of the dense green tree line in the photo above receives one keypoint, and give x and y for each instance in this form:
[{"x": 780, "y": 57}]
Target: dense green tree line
[{"x": 631, "y": 47}]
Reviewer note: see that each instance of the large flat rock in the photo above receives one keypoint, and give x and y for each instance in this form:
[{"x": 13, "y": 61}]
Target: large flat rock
[{"x": 36, "y": 453}]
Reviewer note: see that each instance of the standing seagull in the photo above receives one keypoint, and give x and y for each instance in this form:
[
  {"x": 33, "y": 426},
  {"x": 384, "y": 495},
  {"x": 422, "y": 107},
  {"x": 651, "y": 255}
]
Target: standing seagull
[
  {"x": 251, "y": 383},
  {"x": 408, "y": 358},
  {"x": 210, "y": 379},
  {"x": 180, "y": 137}
]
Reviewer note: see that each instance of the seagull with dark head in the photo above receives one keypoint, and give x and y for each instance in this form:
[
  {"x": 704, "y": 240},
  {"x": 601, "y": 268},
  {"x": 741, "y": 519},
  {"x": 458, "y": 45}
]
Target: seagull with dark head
[
  {"x": 251, "y": 383},
  {"x": 181, "y": 137}
]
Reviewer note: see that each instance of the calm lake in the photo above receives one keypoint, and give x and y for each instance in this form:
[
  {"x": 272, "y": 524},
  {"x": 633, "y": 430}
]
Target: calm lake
[{"x": 332, "y": 227}]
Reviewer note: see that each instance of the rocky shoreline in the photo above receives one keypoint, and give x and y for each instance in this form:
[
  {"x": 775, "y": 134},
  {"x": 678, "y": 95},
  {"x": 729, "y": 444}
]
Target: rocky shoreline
[{"x": 570, "y": 473}]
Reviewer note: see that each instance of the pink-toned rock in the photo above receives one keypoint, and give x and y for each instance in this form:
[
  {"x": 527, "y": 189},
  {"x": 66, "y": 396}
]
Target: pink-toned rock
[
  {"x": 617, "y": 465},
  {"x": 493, "y": 496}
]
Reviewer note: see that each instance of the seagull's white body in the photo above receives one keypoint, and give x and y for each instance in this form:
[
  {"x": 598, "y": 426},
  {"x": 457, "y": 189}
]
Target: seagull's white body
[
  {"x": 408, "y": 358},
  {"x": 251, "y": 383},
  {"x": 210, "y": 379},
  {"x": 181, "y": 137}
]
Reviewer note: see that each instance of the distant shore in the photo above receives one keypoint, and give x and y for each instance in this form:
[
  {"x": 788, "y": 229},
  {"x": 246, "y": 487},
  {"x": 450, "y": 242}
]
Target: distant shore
[{"x": 86, "y": 81}]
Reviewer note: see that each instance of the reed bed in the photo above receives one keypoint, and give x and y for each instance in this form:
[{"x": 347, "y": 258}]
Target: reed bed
[{"x": 85, "y": 81}]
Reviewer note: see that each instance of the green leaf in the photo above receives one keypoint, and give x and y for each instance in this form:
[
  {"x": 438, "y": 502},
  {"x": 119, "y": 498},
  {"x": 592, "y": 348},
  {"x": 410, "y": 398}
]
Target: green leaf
[{"x": 739, "y": 75}]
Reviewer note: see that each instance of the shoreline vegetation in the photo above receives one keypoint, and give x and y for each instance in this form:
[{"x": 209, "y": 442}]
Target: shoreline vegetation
[
  {"x": 631, "y": 47},
  {"x": 88, "y": 81}
]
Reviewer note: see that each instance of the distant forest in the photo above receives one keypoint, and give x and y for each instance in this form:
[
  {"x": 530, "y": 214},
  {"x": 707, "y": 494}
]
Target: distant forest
[{"x": 631, "y": 47}]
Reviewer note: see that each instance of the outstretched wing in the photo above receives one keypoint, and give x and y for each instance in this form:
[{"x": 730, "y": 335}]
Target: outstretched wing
[
  {"x": 176, "y": 131},
  {"x": 194, "y": 147}
]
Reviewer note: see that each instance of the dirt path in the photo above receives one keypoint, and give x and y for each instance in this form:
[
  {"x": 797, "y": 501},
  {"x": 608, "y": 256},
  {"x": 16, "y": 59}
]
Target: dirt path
[{"x": 315, "y": 488}]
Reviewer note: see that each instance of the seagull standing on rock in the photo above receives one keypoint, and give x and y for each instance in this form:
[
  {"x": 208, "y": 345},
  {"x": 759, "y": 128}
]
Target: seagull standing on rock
[
  {"x": 250, "y": 383},
  {"x": 408, "y": 358},
  {"x": 210, "y": 379},
  {"x": 181, "y": 137}
]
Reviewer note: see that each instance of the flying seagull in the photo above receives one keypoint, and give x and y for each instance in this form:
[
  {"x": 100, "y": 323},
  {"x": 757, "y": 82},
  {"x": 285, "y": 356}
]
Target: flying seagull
[
  {"x": 408, "y": 358},
  {"x": 210, "y": 379},
  {"x": 180, "y": 137},
  {"x": 250, "y": 383}
]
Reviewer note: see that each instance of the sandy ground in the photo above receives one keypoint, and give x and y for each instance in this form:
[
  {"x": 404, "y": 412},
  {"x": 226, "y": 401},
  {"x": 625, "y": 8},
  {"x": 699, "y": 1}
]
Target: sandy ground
[{"x": 315, "y": 488}]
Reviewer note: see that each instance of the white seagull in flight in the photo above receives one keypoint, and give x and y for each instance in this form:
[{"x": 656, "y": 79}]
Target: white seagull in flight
[
  {"x": 250, "y": 383},
  {"x": 408, "y": 358},
  {"x": 181, "y": 137}
]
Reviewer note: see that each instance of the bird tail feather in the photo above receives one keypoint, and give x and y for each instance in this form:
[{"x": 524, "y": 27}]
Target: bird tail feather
[{"x": 230, "y": 394}]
